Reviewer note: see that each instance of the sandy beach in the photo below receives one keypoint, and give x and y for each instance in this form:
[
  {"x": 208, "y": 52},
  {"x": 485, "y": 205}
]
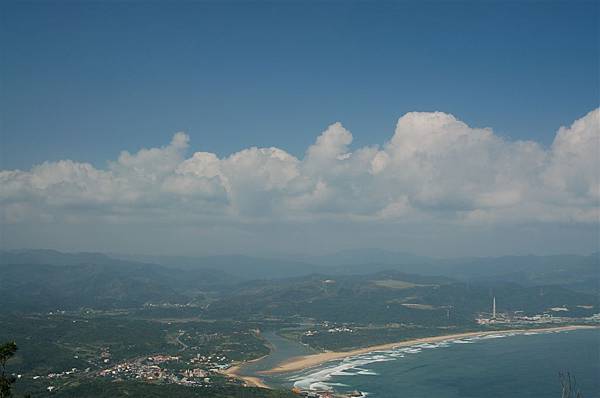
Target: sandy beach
[
  {"x": 308, "y": 361},
  {"x": 248, "y": 380}
]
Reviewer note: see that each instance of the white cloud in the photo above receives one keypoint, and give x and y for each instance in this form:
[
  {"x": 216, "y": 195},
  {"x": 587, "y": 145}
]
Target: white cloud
[
  {"x": 574, "y": 167},
  {"x": 434, "y": 168}
]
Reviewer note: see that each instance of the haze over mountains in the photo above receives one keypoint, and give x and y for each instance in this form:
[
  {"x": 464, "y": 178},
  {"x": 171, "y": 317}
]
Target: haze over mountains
[
  {"x": 349, "y": 261},
  {"x": 47, "y": 279},
  {"x": 575, "y": 270},
  {"x": 79, "y": 310}
]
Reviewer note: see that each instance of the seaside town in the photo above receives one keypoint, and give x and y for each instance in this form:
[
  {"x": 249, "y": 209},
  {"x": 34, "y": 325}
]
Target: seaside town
[
  {"x": 209, "y": 370},
  {"x": 195, "y": 372},
  {"x": 198, "y": 372},
  {"x": 213, "y": 344},
  {"x": 299, "y": 199}
]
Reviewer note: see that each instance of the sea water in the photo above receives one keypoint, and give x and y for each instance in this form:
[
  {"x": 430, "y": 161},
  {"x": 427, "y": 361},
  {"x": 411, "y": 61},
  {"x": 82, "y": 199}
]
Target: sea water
[{"x": 494, "y": 366}]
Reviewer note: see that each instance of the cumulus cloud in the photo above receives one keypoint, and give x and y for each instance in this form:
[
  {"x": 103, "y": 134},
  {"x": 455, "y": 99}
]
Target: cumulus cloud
[{"x": 435, "y": 168}]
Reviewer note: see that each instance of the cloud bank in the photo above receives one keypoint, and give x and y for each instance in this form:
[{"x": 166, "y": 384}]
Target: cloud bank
[{"x": 434, "y": 169}]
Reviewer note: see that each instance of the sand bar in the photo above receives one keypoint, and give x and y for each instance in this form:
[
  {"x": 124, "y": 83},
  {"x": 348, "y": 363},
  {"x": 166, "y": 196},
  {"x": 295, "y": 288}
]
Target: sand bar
[
  {"x": 309, "y": 361},
  {"x": 250, "y": 381}
]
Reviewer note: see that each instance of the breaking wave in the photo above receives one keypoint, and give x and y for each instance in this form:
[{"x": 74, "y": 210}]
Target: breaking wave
[{"x": 320, "y": 378}]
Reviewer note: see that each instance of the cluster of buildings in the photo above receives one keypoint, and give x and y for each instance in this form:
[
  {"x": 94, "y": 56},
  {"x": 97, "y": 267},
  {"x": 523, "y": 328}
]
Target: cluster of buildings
[
  {"x": 337, "y": 329},
  {"x": 326, "y": 394},
  {"x": 170, "y": 305},
  {"x": 217, "y": 362},
  {"x": 61, "y": 374},
  {"x": 197, "y": 373},
  {"x": 151, "y": 369},
  {"x": 518, "y": 318},
  {"x": 58, "y": 375},
  {"x": 156, "y": 369},
  {"x": 341, "y": 329},
  {"x": 55, "y": 376},
  {"x": 144, "y": 369}
]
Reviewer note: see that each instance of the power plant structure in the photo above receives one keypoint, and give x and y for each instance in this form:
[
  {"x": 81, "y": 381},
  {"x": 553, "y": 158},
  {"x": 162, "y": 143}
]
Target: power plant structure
[{"x": 494, "y": 308}]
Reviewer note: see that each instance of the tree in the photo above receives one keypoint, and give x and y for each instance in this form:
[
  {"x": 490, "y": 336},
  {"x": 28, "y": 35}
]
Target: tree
[{"x": 7, "y": 351}]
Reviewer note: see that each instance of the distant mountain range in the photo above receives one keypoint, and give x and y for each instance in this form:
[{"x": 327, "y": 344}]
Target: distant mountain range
[
  {"x": 53, "y": 257},
  {"x": 33, "y": 279},
  {"x": 575, "y": 270},
  {"x": 391, "y": 296},
  {"x": 353, "y": 257},
  {"x": 241, "y": 266},
  {"x": 578, "y": 272}
]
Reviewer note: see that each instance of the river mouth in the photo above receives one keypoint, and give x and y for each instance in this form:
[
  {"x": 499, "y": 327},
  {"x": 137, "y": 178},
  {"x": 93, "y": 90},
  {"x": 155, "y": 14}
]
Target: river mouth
[
  {"x": 410, "y": 365},
  {"x": 282, "y": 349}
]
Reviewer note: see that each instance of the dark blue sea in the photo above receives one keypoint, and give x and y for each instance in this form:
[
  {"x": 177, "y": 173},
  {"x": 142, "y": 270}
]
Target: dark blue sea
[{"x": 497, "y": 366}]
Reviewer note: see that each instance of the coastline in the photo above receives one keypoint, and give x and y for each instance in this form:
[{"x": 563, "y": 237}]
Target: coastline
[
  {"x": 250, "y": 381},
  {"x": 309, "y": 361}
]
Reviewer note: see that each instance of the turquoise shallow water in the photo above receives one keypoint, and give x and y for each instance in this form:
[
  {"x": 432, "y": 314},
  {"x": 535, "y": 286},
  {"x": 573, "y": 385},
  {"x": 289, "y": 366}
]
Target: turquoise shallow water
[{"x": 516, "y": 366}]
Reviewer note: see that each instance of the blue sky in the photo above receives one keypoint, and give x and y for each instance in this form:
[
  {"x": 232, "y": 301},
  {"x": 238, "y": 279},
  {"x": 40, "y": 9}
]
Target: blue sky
[
  {"x": 211, "y": 127},
  {"x": 85, "y": 80}
]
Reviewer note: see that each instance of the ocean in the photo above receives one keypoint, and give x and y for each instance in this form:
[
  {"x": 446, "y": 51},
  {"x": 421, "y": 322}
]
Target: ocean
[{"x": 495, "y": 366}]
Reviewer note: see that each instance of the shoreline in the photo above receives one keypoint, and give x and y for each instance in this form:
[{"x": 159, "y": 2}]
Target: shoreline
[
  {"x": 313, "y": 360},
  {"x": 250, "y": 381}
]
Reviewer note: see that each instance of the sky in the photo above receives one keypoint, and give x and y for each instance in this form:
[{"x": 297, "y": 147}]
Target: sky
[{"x": 440, "y": 128}]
